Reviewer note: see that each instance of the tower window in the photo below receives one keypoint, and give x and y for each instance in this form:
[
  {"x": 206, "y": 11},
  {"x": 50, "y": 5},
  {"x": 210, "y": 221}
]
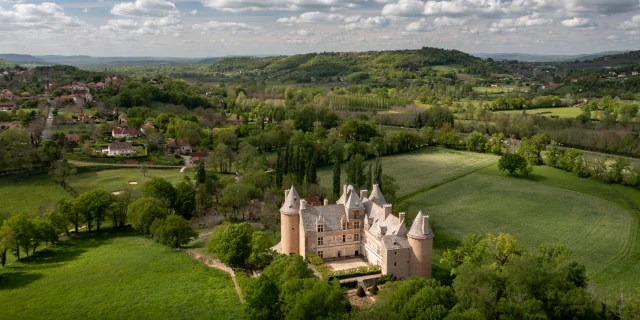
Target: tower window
[
  {"x": 356, "y": 224},
  {"x": 320, "y": 228},
  {"x": 394, "y": 264},
  {"x": 344, "y": 238},
  {"x": 320, "y": 241},
  {"x": 356, "y": 237},
  {"x": 321, "y": 254}
]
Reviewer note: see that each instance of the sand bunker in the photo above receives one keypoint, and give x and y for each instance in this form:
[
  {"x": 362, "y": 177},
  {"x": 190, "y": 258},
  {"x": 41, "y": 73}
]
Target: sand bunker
[
  {"x": 133, "y": 182},
  {"x": 116, "y": 193}
]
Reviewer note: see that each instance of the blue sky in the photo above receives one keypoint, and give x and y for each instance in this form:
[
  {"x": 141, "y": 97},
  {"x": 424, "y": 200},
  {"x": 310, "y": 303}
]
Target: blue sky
[{"x": 207, "y": 28}]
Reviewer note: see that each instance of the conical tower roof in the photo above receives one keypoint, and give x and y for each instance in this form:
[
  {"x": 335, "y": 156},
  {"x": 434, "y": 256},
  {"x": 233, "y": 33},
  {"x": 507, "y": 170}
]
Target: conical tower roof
[
  {"x": 420, "y": 227},
  {"x": 291, "y": 205},
  {"x": 353, "y": 202},
  {"x": 376, "y": 196}
]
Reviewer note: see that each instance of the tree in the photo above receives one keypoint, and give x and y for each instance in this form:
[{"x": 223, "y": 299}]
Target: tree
[
  {"x": 496, "y": 144},
  {"x": 144, "y": 168},
  {"x": 261, "y": 299},
  {"x": 94, "y": 205},
  {"x": 270, "y": 217},
  {"x": 476, "y": 142},
  {"x": 531, "y": 148},
  {"x": 619, "y": 166},
  {"x": 355, "y": 171},
  {"x": 470, "y": 251},
  {"x": 234, "y": 245},
  {"x": 513, "y": 163},
  {"x": 59, "y": 222},
  {"x": 261, "y": 253},
  {"x": 23, "y": 231},
  {"x": 144, "y": 211},
  {"x": 7, "y": 241},
  {"x": 66, "y": 208},
  {"x": 553, "y": 154},
  {"x": 202, "y": 173},
  {"x": 237, "y": 195},
  {"x": 174, "y": 231},
  {"x": 162, "y": 190},
  {"x": 389, "y": 188},
  {"x": 377, "y": 173},
  {"x": 360, "y": 292},
  {"x": 337, "y": 187},
  {"x": 185, "y": 203}
]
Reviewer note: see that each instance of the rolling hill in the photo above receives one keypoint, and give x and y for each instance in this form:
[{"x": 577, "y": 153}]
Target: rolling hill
[
  {"x": 21, "y": 58},
  {"x": 526, "y": 57}
]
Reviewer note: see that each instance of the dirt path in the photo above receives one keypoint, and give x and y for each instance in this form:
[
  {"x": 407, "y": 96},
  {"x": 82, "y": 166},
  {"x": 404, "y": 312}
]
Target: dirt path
[{"x": 215, "y": 263}]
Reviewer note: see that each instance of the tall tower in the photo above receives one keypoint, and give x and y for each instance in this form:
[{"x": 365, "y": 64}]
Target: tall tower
[
  {"x": 290, "y": 222},
  {"x": 420, "y": 238}
]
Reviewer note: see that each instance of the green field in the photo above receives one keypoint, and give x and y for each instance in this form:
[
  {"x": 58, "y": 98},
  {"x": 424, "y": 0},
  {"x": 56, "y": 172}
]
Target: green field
[
  {"x": 118, "y": 179},
  {"x": 568, "y": 112},
  {"x": 596, "y": 221},
  {"x": 422, "y": 169},
  {"x": 31, "y": 195},
  {"x": 115, "y": 275}
]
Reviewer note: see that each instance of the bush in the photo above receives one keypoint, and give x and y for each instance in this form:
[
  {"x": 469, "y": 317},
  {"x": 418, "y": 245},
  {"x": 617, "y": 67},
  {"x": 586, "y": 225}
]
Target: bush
[
  {"x": 374, "y": 290},
  {"x": 360, "y": 293}
]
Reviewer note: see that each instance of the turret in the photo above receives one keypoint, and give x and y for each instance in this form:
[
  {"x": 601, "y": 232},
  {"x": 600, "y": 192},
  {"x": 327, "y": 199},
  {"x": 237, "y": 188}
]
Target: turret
[
  {"x": 420, "y": 238},
  {"x": 290, "y": 222}
]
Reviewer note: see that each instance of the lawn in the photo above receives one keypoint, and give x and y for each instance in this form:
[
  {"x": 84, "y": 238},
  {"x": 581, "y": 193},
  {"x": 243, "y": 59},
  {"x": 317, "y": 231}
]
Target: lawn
[
  {"x": 568, "y": 112},
  {"x": 421, "y": 169},
  {"x": 115, "y": 275},
  {"x": 596, "y": 221},
  {"x": 34, "y": 194},
  {"x": 118, "y": 179}
]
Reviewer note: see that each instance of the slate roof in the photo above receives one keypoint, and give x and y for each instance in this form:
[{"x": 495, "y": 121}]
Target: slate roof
[
  {"x": 120, "y": 146},
  {"x": 418, "y": 230},
  {"x": 332, "y": 216},
  {"x": 395, "y": 242},
  {"x": 376, "y": 196},
  {"x": 291, "y": 203}
]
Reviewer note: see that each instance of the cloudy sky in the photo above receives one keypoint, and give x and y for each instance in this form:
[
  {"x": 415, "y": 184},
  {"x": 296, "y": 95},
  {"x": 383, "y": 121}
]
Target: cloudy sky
[{"x": 207, "y": 28}]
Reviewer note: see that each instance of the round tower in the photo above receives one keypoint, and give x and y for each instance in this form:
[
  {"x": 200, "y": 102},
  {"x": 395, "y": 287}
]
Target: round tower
[
  {"x": 290, "y": 222},
  {"x": 420, "y": 239}
]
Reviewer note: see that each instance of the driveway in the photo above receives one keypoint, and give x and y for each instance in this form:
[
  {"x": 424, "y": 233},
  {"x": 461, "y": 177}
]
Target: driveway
[{"x": 46, "y": 133}]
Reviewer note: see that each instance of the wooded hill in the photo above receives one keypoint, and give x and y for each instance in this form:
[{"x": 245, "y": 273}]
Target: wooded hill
[{"x": 354, "y": 64}]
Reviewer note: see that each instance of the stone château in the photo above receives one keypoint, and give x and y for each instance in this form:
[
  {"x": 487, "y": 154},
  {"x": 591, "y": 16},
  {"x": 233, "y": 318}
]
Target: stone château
[{"x": 357, "y": 226}]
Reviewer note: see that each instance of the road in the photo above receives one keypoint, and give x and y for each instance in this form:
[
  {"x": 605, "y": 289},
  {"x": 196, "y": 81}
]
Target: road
[
  {"x": 84, "y": 163},
  {"x": 46, "y": 133}
]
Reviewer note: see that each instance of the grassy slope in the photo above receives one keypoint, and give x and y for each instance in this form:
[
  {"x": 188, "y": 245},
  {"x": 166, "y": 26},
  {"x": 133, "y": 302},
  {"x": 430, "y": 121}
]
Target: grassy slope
[
  {"x": 30, "y": 195},
  {"x": 118, "y": 179},
  {"x": 115, "y": 275},
  {"x": 421, "y": 169},
  {"x": 595, "y": 220}
]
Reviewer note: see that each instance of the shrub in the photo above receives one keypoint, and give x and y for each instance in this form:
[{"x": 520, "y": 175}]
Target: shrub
[
  {"x": 360, "y": 293},
  {"x": 374, "y": 290}
]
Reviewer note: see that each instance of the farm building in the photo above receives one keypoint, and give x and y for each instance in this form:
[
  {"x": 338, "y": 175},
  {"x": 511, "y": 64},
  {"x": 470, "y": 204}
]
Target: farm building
[{"x": 119, "y": 148}]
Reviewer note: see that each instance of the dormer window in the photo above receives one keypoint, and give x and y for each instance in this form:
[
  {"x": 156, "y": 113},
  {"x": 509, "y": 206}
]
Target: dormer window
[{"x": 321, "y": 228}]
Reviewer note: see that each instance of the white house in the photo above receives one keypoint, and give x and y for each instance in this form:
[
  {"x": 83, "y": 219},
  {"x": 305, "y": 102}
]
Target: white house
[
  {"x": 119, "y": 148},
  {"x": 125, "y": 133}
]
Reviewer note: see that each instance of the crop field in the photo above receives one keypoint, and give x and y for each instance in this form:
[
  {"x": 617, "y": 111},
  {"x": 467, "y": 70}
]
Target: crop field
[
  {"x": 120, "y": 179},
  {"x": 421, "y": 169},
  {"x": 114, "y": 275},
  {"x": 31, "y": 195},
  {"x": 568, "y": 112},
  {"x": 596, "y": 221}
]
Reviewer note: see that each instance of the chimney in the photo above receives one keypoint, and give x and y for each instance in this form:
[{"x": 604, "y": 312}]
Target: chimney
[
  {"x": 425, "y": 225},
  {"x": 326, "y": 202},
  {"x": 401, "y": 216},
  {"x": 387, "y": 210},
  {"x": 303, "y": 204},
  {"x": 363, "y": 194},
  {"x": 286, "y": 193},
  {"x": 344, "y": 190}
]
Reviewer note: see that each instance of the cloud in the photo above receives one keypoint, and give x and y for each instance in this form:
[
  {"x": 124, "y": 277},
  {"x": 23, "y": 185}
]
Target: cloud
[
  {"x": 522, "y": 22},
  {"x": 370, "y": 23},
  {"x": 276, "y": 5},
  {"x": 579, "y": 23},
  {"x": 313, "y": 17},
  {"x": 194, "y": 11},
  {"x": 448, "y": 22},
  {"x": 234, "y": 27},
  {"x": 419, "y": 26},
  {"x": 46, "y": 15},
  {"x": 632, "y": 26},
  {"x": 299, "y": 37},
  {"x": 145, "y": 8},
  {"x": 404, "y": 8},
  {"x": 601, "y": 6}
]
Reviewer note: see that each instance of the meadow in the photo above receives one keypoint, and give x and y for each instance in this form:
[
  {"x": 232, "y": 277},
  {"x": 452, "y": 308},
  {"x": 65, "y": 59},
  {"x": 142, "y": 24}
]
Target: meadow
[
  {"x": 568, "y": 112},
  {"x": 118, "y": 179},
  {"x": 422, "y": 169},
  {"x": 114, "y": 274},
  {"x": 30, "y": 195},
  {"x": 598, "y": 222}
]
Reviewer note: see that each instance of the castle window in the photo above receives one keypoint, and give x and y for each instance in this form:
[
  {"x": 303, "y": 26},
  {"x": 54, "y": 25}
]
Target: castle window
[
  {"x": 320, "y": 254},
  {"x": 320, "y": 241},
  {"x": 356, "y": 224},
  {"x": 356, "y": 237},
  {"x": 394, "y": 264},
  {"x": 344, "y": 238},
  {"x": 320, "y": 228}
]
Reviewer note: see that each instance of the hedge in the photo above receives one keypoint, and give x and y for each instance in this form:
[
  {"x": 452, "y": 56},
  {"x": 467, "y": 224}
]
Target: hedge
[{"x": 326, "y": 272}]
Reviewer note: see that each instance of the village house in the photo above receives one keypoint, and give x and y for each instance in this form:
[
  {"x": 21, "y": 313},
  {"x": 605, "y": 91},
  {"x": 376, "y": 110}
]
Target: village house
[
  {"x": 146, "y": 126},
  {"x": 119, "y": 148},
  {"x": 72, "y": 137},
  {"x": 634, "y": 73},
  {"x": 125, "y": 133},
  {"x": 7, "y": 106},
  {"x": 357, "y": 226},
  {"x": 178, "y": 146},
  {"x": 196, "y": 157}
]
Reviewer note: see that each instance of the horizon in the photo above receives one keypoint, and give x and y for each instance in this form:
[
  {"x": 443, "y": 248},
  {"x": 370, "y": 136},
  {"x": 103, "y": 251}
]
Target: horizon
[{"x": 214, "y": 28}]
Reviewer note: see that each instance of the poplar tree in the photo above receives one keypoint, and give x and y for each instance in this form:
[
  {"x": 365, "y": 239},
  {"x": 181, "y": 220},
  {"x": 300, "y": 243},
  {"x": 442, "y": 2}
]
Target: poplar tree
[
  {"x": 377, "y": 178},
  {"x": 336, "y": 178}
]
